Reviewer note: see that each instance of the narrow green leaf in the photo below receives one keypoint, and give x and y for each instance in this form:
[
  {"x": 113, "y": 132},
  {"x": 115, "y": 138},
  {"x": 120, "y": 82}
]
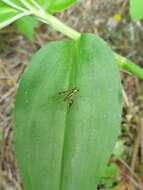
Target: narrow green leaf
[
  {"x": 136, "y": 9},
  {"x": 26, "y": 26},
  {"x": 63, "y": 140}
]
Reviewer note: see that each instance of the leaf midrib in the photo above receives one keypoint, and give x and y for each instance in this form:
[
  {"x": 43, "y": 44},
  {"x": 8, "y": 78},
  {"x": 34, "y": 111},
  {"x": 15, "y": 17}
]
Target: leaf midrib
[{"x": 73, "y": 64}]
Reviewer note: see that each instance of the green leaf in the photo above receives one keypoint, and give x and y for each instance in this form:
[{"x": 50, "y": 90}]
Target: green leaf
[
  {"x": 2, "y": 4},
  {"x": 7, "y": 15},
  {"x": 12, "y": 3},
  {"x": 111, "y": 175},
  {"x": 119, "y": 150},
  {"x": 62, "y": 145},
  {"x": 26, "y": 26},
  {"x": 136, "y": 9},
  {"x": 59, "y": 5},
  {"x": 111, "y": 171},
  {"x": 50, "y": 5},
  {"x": 53, "y": 6}
]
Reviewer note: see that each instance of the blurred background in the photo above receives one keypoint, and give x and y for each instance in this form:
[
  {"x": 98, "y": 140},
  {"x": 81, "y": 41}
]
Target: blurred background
[{"x": 111, "y": 20}]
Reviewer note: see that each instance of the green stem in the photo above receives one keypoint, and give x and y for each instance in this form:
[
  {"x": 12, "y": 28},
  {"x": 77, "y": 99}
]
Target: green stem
[
  {"x": 123, "y": 62},
  {"x": 58, "y": 25},
  {"x": 129, "y": 66}
]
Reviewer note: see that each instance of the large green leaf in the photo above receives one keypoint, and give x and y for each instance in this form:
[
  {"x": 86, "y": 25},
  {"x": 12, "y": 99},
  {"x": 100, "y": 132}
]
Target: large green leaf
[
  {"x": 62, "y": 147},
  {"x": 136, "y": 9}
]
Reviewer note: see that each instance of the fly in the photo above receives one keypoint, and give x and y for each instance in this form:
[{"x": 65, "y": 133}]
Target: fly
[{"x": 69, "y": 95}]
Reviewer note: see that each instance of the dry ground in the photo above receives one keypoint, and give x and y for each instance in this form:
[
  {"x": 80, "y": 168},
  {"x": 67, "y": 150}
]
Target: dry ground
[{"x": 110, "y": 19}]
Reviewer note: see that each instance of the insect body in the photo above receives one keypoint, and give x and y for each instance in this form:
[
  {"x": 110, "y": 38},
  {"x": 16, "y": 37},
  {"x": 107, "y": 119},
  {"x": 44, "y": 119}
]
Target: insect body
[{"x": 69, "y": 95}]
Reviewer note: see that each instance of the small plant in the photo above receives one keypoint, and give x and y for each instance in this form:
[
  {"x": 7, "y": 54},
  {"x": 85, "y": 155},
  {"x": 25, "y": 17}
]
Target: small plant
[{"x": 69, "y": 103}]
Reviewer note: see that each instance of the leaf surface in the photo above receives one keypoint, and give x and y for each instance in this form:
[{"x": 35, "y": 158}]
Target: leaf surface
[
  {"x": 54, "y": 6},
  {"x": 50, "y": 5},
  {"x": 62, "y": 147},
  {"x": 136, "y": 9},
  {"x": 59, "y": 5},
  {"x": 9, "y": 14}
]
